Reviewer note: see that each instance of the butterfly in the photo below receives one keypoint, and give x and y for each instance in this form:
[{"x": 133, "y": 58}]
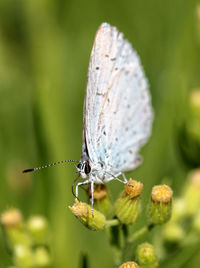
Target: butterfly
[{"x": 117, "y": 116}]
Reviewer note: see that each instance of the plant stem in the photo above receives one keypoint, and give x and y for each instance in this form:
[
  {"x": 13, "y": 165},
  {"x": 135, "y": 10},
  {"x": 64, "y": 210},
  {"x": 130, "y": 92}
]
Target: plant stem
[
  {"x": 140, "y": 233},
  {"x": 111, "y": 223}
]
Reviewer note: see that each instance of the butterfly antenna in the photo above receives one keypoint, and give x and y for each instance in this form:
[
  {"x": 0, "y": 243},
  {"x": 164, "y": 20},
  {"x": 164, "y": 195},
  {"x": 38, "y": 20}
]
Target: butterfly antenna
[{"x": 50, "y": 165}]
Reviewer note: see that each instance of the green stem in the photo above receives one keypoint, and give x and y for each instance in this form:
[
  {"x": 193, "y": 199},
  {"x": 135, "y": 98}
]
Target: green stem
[
  {"x": 110, "y": 223},
  {"x": 140, "y": 233}
]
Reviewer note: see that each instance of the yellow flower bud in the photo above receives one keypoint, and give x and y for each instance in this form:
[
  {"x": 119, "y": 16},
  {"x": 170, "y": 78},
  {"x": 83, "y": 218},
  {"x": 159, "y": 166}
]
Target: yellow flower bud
[
  {"x": 159, "y": 210},
  {"x": 133, "y": 188},
  {"x": 128, "y": 205},
  {"x": 92, "y": 219},
  {"x": 161, "y": 194},
  {"x": 12, "y": 222},
  {"x": 129, "y": 264},
  {"x": 12, "y": 218}
]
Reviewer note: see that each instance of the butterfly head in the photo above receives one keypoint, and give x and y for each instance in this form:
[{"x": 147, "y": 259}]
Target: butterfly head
[{"x": 83, "y": 168}]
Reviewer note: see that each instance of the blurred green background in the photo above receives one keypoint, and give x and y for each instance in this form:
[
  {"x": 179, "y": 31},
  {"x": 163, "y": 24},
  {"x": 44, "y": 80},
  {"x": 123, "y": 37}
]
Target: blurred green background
[{"x": 44, "y": 55}]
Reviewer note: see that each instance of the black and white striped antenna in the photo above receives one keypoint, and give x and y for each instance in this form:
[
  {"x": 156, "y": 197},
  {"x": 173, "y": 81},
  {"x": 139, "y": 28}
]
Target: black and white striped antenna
[{"x": 49, "y": 165}]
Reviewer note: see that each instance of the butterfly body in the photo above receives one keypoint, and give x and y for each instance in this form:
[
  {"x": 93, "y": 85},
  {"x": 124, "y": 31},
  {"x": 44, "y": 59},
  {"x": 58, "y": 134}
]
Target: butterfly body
[
  {"x": 117, "y": 110},
  {"x": 95, "y": 172}
]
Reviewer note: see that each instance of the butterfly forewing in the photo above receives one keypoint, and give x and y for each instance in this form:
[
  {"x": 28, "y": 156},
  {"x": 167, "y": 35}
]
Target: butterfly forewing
[{"x": 117, "y": 110}]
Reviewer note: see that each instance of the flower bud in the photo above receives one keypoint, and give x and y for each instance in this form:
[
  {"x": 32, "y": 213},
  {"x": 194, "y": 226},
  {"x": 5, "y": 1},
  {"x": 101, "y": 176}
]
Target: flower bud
[
  {"x": 179, "y": 209},
  {"x": 23, "y": 257},
  {"x": 129, "y": 264},
  {"x": 194, "y": 102},
  {"x": 38, "y": 228},
  {"x": 41, "y": 257},
  {"x": 189, "y": 138},
  {"x": 12, "y": 222},
  {"x": 92, "y": 219},
  {"x": 102, "y": 201},
  {"x": 12, "y": 218},
  {"x": 17, "y": 182},
  {"x": 191, "y": 193},
  {"x": 128, "y": 205},
  {"x": 17, "y": 237},
  {"x": 159, "y": 210},
  {"x": 173, "y": 232},
  {"x": 196, "y": 222},
  {"x": 146, "y": 256}
]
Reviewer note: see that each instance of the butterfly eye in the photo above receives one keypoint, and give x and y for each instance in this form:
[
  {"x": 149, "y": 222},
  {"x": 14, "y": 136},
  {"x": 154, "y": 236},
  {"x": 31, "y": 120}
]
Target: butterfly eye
[
  {"x": 79, "y": 166},
  {"x": 87, "y": 168}
]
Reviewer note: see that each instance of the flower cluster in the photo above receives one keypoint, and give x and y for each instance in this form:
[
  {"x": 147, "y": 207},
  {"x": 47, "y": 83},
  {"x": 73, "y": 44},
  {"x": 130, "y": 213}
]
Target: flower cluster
[
  {"x": 123, "y": 213},
  {"x": 184, "y": 226},
  {"x": 180, "y": 225},
  {"x": 27, "y": 241}
]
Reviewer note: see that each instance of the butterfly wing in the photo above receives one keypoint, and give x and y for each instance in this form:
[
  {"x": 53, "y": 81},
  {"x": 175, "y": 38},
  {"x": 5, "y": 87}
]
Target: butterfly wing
[{"x": 117, "y": 109}]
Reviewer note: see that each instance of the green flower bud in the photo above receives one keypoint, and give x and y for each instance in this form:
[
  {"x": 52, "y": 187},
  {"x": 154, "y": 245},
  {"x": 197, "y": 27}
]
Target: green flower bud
[
  {"x": 38, "y": 228},
  {"x": 17, "y": 237},
  {"x": 42, "y": 257},
  {"x": 196, "y": 222},
  {"x": 129, "y": 264},
  {"x": 159, "y": 210},
  {"x": 173, "y": 232},
  {"x": 12, "y": 222},
  {"x": 23, "y": 257},
  {"x": 194, "y": 102},
  {"x": 189, "y": 138},
  {"x": 128, "y": 205},
  {"x": 191, "y": 193},
  {"x": 102, "y": 201},
  {"x": 92, "y": 219},
  {"x": 146, "y": 256},
  {"x": 179, "y": 209}
]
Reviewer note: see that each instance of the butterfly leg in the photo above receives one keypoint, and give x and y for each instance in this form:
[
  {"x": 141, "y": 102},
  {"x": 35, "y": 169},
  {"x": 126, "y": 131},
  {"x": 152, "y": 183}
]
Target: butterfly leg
[
  {"x": 80, "y": 184},
  {"x": 92, "y": 196},
  {"x": 124, "y": 177}
]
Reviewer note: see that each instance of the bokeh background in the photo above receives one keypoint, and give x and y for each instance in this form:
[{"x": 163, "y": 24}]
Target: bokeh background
[{"x": 44, "y": 55}]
